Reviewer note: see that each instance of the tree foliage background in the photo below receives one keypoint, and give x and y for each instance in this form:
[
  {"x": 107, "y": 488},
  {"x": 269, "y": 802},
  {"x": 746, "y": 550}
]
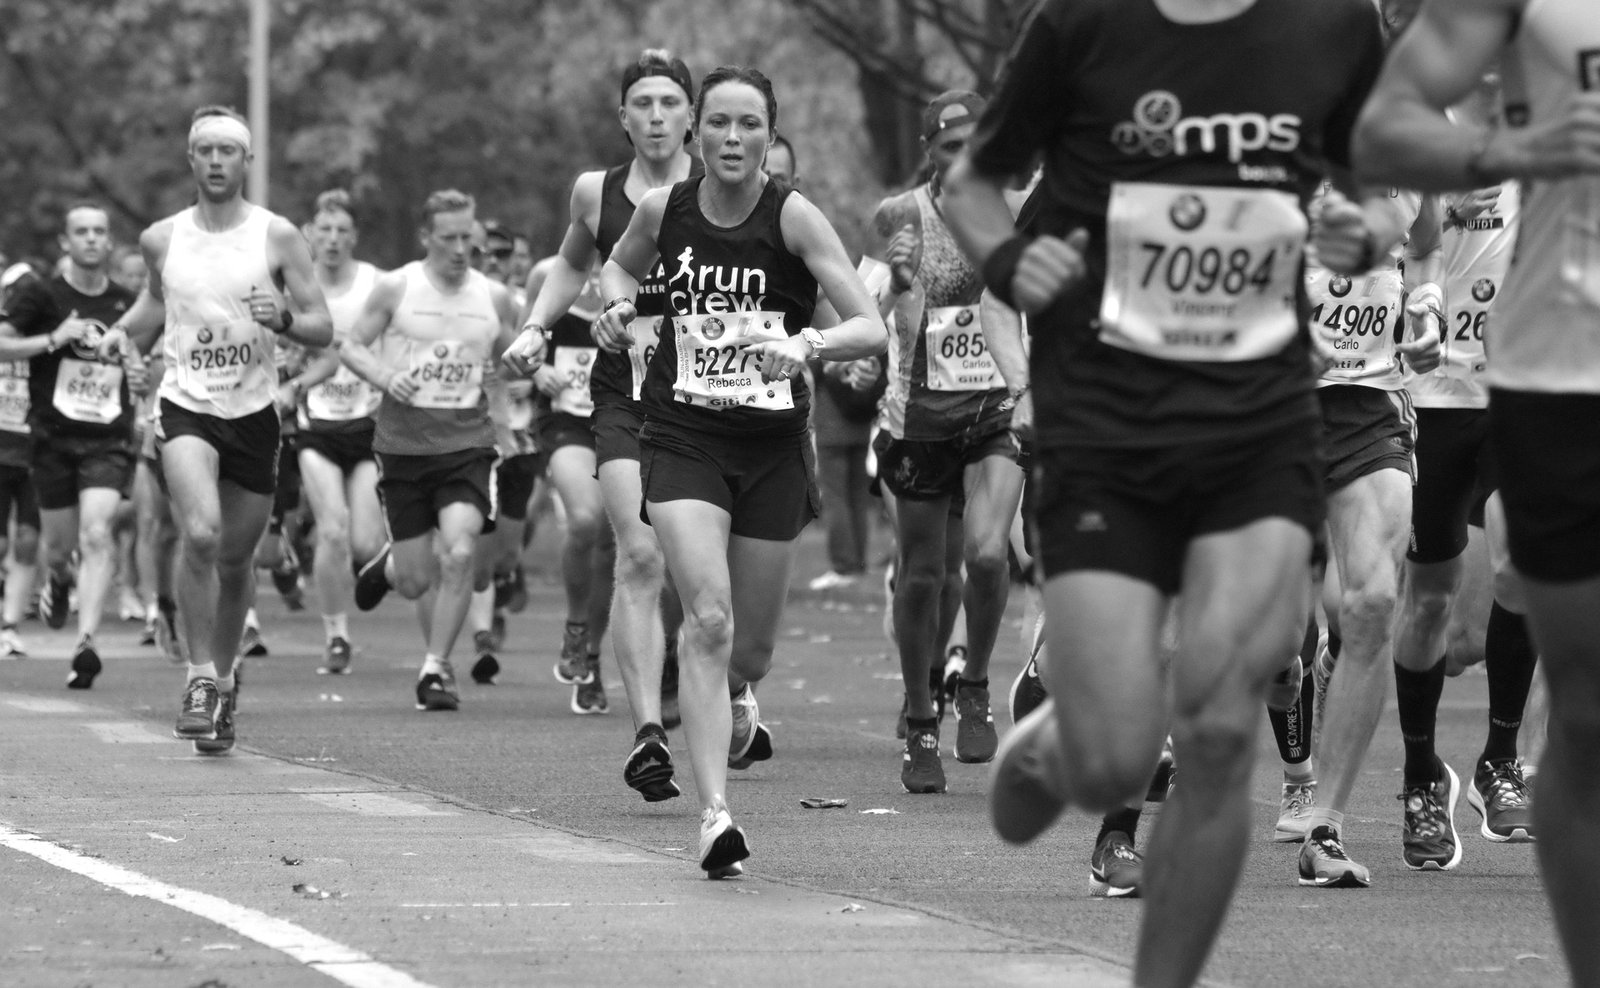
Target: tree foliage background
[{"x": 506, "y": 99}]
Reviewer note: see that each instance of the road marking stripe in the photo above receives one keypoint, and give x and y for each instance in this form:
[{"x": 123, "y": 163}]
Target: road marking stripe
[
  {"x": 373, "y": 804},
  {"x": 339, "y": 962},
  {"x": 127, "y": 732},
  {"x": 41, "y": 705}
]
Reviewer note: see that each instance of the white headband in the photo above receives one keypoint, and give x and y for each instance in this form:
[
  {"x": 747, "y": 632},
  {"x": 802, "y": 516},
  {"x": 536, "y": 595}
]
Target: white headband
[{"x": 219, "y": 127}]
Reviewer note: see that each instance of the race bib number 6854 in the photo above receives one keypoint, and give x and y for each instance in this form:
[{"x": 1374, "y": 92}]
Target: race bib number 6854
[{"x": 1201, "y": 273}]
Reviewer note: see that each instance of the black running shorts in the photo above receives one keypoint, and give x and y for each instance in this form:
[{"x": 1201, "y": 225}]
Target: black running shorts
[
  {"x": 1547, "y": 459},
  {"x": 247, "y": 447},
  {"x": 616, "y": 431},
  {"x": 414, "y": 489},
  {"x": 17, "y": 493},
  {"x": 1453, "y": 479},
  {"x": 557, "y": 429},
  {"x": 915, "y": 470},
  {"x": 344, "y": 448},
  {"x": 1134, "y": 511},
  {"x": 65, "y": 466},
  {"x": 767, "y": 485},
  {"x": 1365, "y": 430},
  {"x": 515, "y": 478}
]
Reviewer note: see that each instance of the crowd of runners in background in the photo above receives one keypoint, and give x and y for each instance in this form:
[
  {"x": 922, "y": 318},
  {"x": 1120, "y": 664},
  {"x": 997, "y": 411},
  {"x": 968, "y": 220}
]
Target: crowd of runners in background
[{"x": 1224, "y": 408}]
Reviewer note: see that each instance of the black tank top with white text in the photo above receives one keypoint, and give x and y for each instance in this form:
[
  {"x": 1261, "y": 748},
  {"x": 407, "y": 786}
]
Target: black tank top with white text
[{"x": 723, "y": 284}]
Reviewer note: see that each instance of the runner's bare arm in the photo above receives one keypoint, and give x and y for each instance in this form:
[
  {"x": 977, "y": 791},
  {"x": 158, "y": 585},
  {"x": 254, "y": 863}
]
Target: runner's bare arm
[
  {"x": 1404, "y": 138},
  {"x": 860, "y": 332},
  {"x": 1002, "y": 333},
  {"x": 369, "y": 325},
  {"x": 564, "y": 281},
  {"x": 144, "y": 321},
  {"x": 895, "y": 238},
  {"x": 631, "y": 260},
  {"x": 506, "y": 306},
  {"x": 312, "y": 323}
]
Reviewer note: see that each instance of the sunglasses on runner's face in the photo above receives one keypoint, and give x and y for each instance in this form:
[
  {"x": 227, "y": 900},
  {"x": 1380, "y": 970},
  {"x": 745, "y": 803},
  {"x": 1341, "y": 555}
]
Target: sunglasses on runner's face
[{"x": 500, "y": 253}]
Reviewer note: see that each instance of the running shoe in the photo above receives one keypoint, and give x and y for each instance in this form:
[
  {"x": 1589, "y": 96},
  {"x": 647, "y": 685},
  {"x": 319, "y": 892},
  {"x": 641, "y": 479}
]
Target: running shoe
[
  {"x": 832, "y": 580},
  {"x": 976, "y": 740},
  {"x": 1500, "y": 794},
  {"x": 722, "y": 845},
  {"x": 168, "y": 638},
  {"x": 11, "y": 646},
  {"x": 1294, "y": 811},
  {"x": 648, "y": 769},
  {"x": 250, "y": 642},
  {"x": 1428, "y": 838},
  {"x": 85, "y": 666},
  {"x": 286, "y": 580},
  {"x": 222, "y": 740},
  {"x": 149, "y": 635},
  {"x": 1023, "y": 799},
  {"x": 372, "y": 583},
  {"x": 955, "y": 663},
  {"x": 129, "y": 606},
  {"x": 1166, "y": 775},
  {"x": 437, "y": 690},
  {"x": 1028, "y": 689},
  {"x": 486, "y": 667},
  {"x": 1323, "y": 862},
  {"x": 921, "y": 771},
  {"x": 1116, "y": 870},
  {"x": 336, "y": 659},
  {"x": 197, "y": 717},
  {"x": 55, "y": 601},
  {"x": 517, "y": 602},
  {"x": 589, "y": 694},
  {"x": 751, "y": 741},
  {"x": 573, "y": 666},
  {"x": 670, "y": 715}
]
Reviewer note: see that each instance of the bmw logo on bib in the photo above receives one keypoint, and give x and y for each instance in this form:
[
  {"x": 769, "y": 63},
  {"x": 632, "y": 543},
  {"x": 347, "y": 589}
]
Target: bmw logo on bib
[
  {"x": 1339, "y": 286},
  {"x": 1188, "y": 212},
  {"x": 712, "y": 329},
  {"x": 1483, "y": 289}
]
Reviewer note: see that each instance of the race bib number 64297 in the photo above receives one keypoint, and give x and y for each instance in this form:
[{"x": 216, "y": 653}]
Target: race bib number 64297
[{"x": 1201, "y": 273}]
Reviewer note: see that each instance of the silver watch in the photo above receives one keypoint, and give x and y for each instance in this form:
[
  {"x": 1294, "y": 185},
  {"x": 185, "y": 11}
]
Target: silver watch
[{"x": 814, "y": 340}]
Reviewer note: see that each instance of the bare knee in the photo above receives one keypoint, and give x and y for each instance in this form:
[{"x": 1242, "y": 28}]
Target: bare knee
[
  {"x": 709, "y": 621},
  {"x": 1367, "y": 607},
  {"x": 202, "y": 541},
  {"x": 95, "y": 537},
  {"x": 639, "y": 564}
]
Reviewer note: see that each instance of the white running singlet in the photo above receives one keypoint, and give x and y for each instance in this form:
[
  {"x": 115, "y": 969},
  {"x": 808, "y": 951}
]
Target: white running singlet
[
  {"x": 218, "y": 359},
  {"x": 1477, "y": 255},
  {"x": 1547, "y": 324},
  {"x": 344, "y": 397}
]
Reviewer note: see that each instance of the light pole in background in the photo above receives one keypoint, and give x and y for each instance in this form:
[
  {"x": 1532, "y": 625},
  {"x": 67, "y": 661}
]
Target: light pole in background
[{"x": 260, "y": 30}]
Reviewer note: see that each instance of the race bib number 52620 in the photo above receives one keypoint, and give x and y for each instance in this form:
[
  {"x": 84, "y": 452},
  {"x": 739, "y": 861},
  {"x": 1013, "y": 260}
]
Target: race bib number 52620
[{"x": 1201, "y": 273}]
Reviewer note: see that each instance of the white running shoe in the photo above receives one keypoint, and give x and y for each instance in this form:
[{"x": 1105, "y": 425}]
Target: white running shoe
[
  {"x": 722, "y": 845},
  {"x": 1294, "y": 812}
]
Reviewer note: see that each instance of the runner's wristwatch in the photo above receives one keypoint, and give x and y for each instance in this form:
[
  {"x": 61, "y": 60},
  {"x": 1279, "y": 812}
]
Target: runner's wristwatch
[{"x": 814, "y": 339}]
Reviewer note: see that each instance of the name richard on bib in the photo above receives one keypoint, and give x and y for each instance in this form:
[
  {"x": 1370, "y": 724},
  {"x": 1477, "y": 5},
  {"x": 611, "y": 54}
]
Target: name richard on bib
[{"x": 712, "y": 288}]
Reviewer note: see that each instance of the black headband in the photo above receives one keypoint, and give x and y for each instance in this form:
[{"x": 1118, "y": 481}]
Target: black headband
[{"x": 644, "y": 68}]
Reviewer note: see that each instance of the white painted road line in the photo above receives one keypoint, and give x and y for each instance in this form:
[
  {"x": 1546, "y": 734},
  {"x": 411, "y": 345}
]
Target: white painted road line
[
  {"x": 345, "y": 965},
  {"x": 128, "y": 732}
]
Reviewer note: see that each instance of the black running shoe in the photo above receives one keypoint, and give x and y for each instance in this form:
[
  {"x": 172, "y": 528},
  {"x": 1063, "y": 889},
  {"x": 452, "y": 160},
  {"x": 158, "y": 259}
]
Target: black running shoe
[
  {"x": 921, "y": 770},
  {"x": 589, "y": 695},
  {"x": 1428, "y": 837},
  {"x": 648, "y": 769},
  {"x": 670, "y": 716},
  {"x": 336, "y": 660},
  {"x": 486, "y": 667},
  {"x": 85, "y": 666},
  {"x": 437, "y": 690},
  {"x": 222, "y": 742},
  {"x": 197, "y": 717},
  {"x": 371, "y": 582},
  {"x": 55, "y": 601},
  {"x": 1116, "y": 870},
  {"x": 573, "y": 667}
]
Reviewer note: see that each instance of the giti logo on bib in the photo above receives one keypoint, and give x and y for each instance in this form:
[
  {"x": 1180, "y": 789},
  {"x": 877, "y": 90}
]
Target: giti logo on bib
[{"x": 1159, "y": 129}]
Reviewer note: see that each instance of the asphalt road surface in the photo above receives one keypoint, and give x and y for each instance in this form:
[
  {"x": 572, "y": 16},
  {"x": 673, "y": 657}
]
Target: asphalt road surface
[{"x": 353, "y": 839}]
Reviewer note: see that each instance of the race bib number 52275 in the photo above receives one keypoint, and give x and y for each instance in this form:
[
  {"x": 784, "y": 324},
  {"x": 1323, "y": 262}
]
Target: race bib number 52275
[
  {"x": 1201, "y": 273},
  {"x": 715, "y": 371}
]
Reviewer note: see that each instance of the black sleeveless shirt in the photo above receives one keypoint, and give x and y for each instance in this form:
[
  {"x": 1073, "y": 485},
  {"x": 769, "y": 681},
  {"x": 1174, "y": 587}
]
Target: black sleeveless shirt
[
  {"x": 612, "y": 380},
  {"x": 712, "y": 270}
]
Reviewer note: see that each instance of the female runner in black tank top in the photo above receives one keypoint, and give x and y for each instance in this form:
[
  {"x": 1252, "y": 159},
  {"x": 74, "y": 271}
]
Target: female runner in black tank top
[{"x": 725, "y": 461}]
